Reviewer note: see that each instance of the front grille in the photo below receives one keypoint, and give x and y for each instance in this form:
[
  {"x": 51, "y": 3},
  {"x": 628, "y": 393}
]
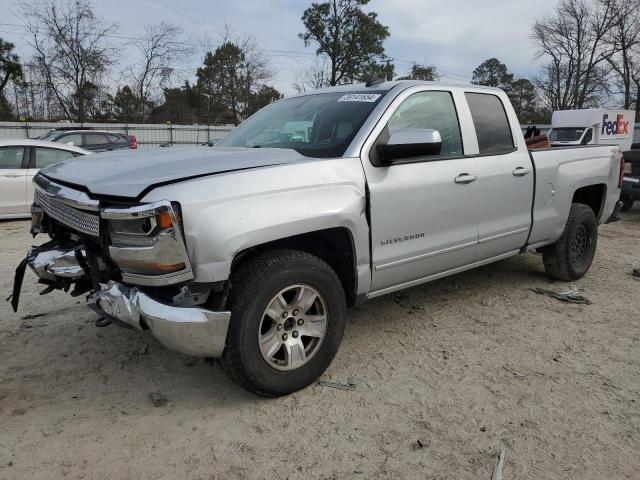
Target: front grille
[{"x": 79, "y": 220}]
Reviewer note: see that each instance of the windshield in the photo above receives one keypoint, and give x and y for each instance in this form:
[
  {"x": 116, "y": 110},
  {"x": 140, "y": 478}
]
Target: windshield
[
  {"x": 565, "y": 134},
  {"x": 48, "y": 136},
  {"x": 320, "y": 125}
]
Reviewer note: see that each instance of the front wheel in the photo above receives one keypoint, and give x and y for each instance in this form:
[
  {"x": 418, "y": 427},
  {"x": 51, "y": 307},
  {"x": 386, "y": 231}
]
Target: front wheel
[
  {"x": 288, "y": 313},
  {"x": 570, "y": 257}
]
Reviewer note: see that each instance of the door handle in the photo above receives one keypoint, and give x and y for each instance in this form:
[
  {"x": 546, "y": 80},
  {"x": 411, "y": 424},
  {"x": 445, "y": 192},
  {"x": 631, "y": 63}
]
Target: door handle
[
  {"x": 465, "y": 178},
  {"x": 521, "y": 171},
  {"x": 11, "y": 175}
]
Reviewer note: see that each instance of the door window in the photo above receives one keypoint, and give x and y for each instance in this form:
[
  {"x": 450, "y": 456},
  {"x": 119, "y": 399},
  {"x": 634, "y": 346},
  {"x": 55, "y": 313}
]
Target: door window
[
  {"x": 95, "y": 139},
  {"x": 11, "y": 157},
  {"x": 492, "y": 125},
  {"x": 430, "y": 110},
  {"x": 588, "y": 136},
  {"x": 49, "y": 156},
  {"x": 75, "y": 138}
]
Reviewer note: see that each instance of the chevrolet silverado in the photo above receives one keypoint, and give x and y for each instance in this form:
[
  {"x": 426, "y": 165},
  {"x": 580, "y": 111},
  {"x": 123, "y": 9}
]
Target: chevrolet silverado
[{"x": 252, "y": 251}]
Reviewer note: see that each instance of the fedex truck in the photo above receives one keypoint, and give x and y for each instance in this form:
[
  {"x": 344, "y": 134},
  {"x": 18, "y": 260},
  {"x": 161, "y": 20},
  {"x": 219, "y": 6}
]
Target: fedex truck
[{"x": 592, "y": 126}]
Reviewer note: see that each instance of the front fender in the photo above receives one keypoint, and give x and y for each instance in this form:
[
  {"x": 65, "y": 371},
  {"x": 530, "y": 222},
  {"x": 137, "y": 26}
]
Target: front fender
[{"x": 226, "y": 214}]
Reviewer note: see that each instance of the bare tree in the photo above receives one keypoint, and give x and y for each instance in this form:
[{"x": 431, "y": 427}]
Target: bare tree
[
  {"x": 71, "y": 51},
  {"x": 624, "y": 46},
  {"x": 161, "y": 48},
  {"x": 573, "y": 40},
  {"x": 313, "y": 77}
]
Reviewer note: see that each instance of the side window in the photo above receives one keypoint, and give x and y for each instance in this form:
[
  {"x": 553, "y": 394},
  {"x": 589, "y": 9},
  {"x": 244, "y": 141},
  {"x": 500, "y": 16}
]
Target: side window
[
  {"x": 588, "y": 136},
  {"x": 432, "y": 110},
  {"x": 49, "y": 156},
  {"x": 114, "y": 138},
  {"x": 95, "y": 139},
  {"x": 11, "y": 157},
  {"x": 492, "y": 125},
  {"x": 75, "y": 138}
]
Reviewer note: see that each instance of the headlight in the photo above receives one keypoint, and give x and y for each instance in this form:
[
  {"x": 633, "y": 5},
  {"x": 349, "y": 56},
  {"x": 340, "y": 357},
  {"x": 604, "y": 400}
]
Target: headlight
[
  {"x": 147, "y": 240},
  {"x": 140, "y": 229}
]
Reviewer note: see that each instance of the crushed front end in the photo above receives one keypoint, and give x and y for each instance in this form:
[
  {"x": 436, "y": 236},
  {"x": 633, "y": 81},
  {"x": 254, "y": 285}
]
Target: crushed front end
[{"x": 131, "y": 260}]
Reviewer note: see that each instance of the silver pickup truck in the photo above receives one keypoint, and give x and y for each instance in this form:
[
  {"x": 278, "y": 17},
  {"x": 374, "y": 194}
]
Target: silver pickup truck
[{"x": 252, "y": 251}]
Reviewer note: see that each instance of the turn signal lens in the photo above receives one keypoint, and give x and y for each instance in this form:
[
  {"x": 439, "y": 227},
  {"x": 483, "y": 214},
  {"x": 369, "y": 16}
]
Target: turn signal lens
[
  {"x": 149, "y": 268},
  {"x": 163, "y": 220}
]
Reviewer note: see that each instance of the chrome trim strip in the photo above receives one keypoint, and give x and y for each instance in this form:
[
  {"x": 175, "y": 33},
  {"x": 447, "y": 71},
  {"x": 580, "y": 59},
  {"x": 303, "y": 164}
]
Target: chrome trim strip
[
  {"x": 139, "y": 211},
  {"x": 424, "y": 255},
  {"x": 66, "y": 195},
  {"x": 502, "y": 235},
  {"x": 446, "y": 273}
]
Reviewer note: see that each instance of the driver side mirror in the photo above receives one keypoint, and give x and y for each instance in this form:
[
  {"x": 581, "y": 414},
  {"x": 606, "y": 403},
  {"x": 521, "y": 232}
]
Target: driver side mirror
[{"x": 408, "y": 143}]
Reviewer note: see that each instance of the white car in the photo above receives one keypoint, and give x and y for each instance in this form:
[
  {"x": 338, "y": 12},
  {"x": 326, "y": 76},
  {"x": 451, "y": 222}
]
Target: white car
[{"x": 20, "y": 160}]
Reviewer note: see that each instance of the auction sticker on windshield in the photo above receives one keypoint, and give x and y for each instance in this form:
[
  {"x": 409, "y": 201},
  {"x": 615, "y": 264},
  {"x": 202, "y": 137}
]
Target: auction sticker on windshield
[{"x": 359, "y": 97}]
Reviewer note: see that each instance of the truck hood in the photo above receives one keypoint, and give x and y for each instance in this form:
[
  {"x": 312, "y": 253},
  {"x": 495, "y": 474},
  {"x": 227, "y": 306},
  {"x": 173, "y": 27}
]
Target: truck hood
[{"x": 132, "y": 173}]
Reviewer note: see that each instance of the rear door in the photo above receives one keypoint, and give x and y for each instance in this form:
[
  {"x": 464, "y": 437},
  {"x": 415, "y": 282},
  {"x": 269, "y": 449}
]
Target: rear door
[
  {"x": 97, "y": 142},
  {"x": 118, "y": 141},
  {"x": 422, "y": 218},
  {"x": 505, "y": 179},
  {"x": 13, "y": 181}
]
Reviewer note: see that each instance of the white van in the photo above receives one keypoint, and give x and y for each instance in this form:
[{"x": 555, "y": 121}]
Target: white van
[{"x": 592, "y": 126}]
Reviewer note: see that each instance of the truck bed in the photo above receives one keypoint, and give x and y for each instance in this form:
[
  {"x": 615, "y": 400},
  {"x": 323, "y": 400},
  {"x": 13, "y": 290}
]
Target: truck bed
[{"x": 560, "y": 171}]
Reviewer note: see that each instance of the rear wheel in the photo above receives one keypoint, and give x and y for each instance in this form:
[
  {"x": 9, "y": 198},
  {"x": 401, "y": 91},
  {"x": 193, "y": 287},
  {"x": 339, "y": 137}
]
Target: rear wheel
[
  {"x": 571, "y": 256},
  {"x": 288, "y": 313},
  {"x": 627, "y": 202}
]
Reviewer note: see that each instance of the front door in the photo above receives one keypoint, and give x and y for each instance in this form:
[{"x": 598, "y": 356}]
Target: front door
[
  {"x": 13, "y": 181},
  {"x": 422, "y": 216}
]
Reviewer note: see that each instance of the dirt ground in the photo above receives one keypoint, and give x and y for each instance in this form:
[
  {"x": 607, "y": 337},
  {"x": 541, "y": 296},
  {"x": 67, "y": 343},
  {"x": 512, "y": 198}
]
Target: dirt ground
[{"x": 447, "y": 375}]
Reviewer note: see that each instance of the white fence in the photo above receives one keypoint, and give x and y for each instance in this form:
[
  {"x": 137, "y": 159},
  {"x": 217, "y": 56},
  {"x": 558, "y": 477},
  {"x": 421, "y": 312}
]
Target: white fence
[{"x": 148, "y": 135}]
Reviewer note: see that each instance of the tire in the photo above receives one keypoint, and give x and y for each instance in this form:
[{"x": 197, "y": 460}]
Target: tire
[
  {"x": 627, "y": 202},
  {"x": 263, "y": 285},
  {"x": 571, "y": 256}
]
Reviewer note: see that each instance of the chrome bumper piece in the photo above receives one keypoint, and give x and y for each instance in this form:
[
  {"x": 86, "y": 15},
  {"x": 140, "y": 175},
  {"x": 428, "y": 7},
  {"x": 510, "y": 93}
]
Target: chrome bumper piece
[
  {"x": 189, "y": 330},
  {"x": 60, "y": 262}
]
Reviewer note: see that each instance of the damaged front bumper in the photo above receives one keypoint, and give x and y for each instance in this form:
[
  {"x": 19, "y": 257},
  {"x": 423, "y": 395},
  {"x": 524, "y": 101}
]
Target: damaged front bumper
[{"x": 190, "y": 330}]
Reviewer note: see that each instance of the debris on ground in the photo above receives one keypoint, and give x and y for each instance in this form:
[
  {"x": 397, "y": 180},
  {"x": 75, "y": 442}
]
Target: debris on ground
[
  {"x": 32, "y": 316},
  {"x": 636, "y": 273},
  {"x": 102, "y": 322},
  {"x": 418, "y": 445},
  {"x": 497, "y": 470},
  {"x": 158, "y": 399},
  {"x": 570, "y": 296},
  {"x": 339, "y": 386},
  {"x": 515, "y": 373}
]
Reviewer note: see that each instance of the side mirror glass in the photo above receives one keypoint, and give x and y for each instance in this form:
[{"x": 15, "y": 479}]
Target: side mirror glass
[{"x": 408, "y": 143}]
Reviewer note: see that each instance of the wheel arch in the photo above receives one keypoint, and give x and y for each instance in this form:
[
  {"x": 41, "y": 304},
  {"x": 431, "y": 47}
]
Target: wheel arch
[
  {"x": 334, "y": 245},
  {"x": 593, "y": 196}
]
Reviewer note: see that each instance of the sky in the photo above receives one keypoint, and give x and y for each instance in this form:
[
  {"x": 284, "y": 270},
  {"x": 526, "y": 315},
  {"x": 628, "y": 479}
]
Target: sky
[{"x": 456, "y": 35}]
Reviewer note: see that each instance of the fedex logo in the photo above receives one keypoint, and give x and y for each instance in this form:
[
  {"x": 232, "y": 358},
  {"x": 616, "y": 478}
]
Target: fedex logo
[{"x": 619, "y": 127}]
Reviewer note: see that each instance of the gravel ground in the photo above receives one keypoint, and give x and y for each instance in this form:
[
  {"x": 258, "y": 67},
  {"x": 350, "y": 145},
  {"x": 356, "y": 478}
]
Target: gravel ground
[{"x": 446, "y": 376}]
